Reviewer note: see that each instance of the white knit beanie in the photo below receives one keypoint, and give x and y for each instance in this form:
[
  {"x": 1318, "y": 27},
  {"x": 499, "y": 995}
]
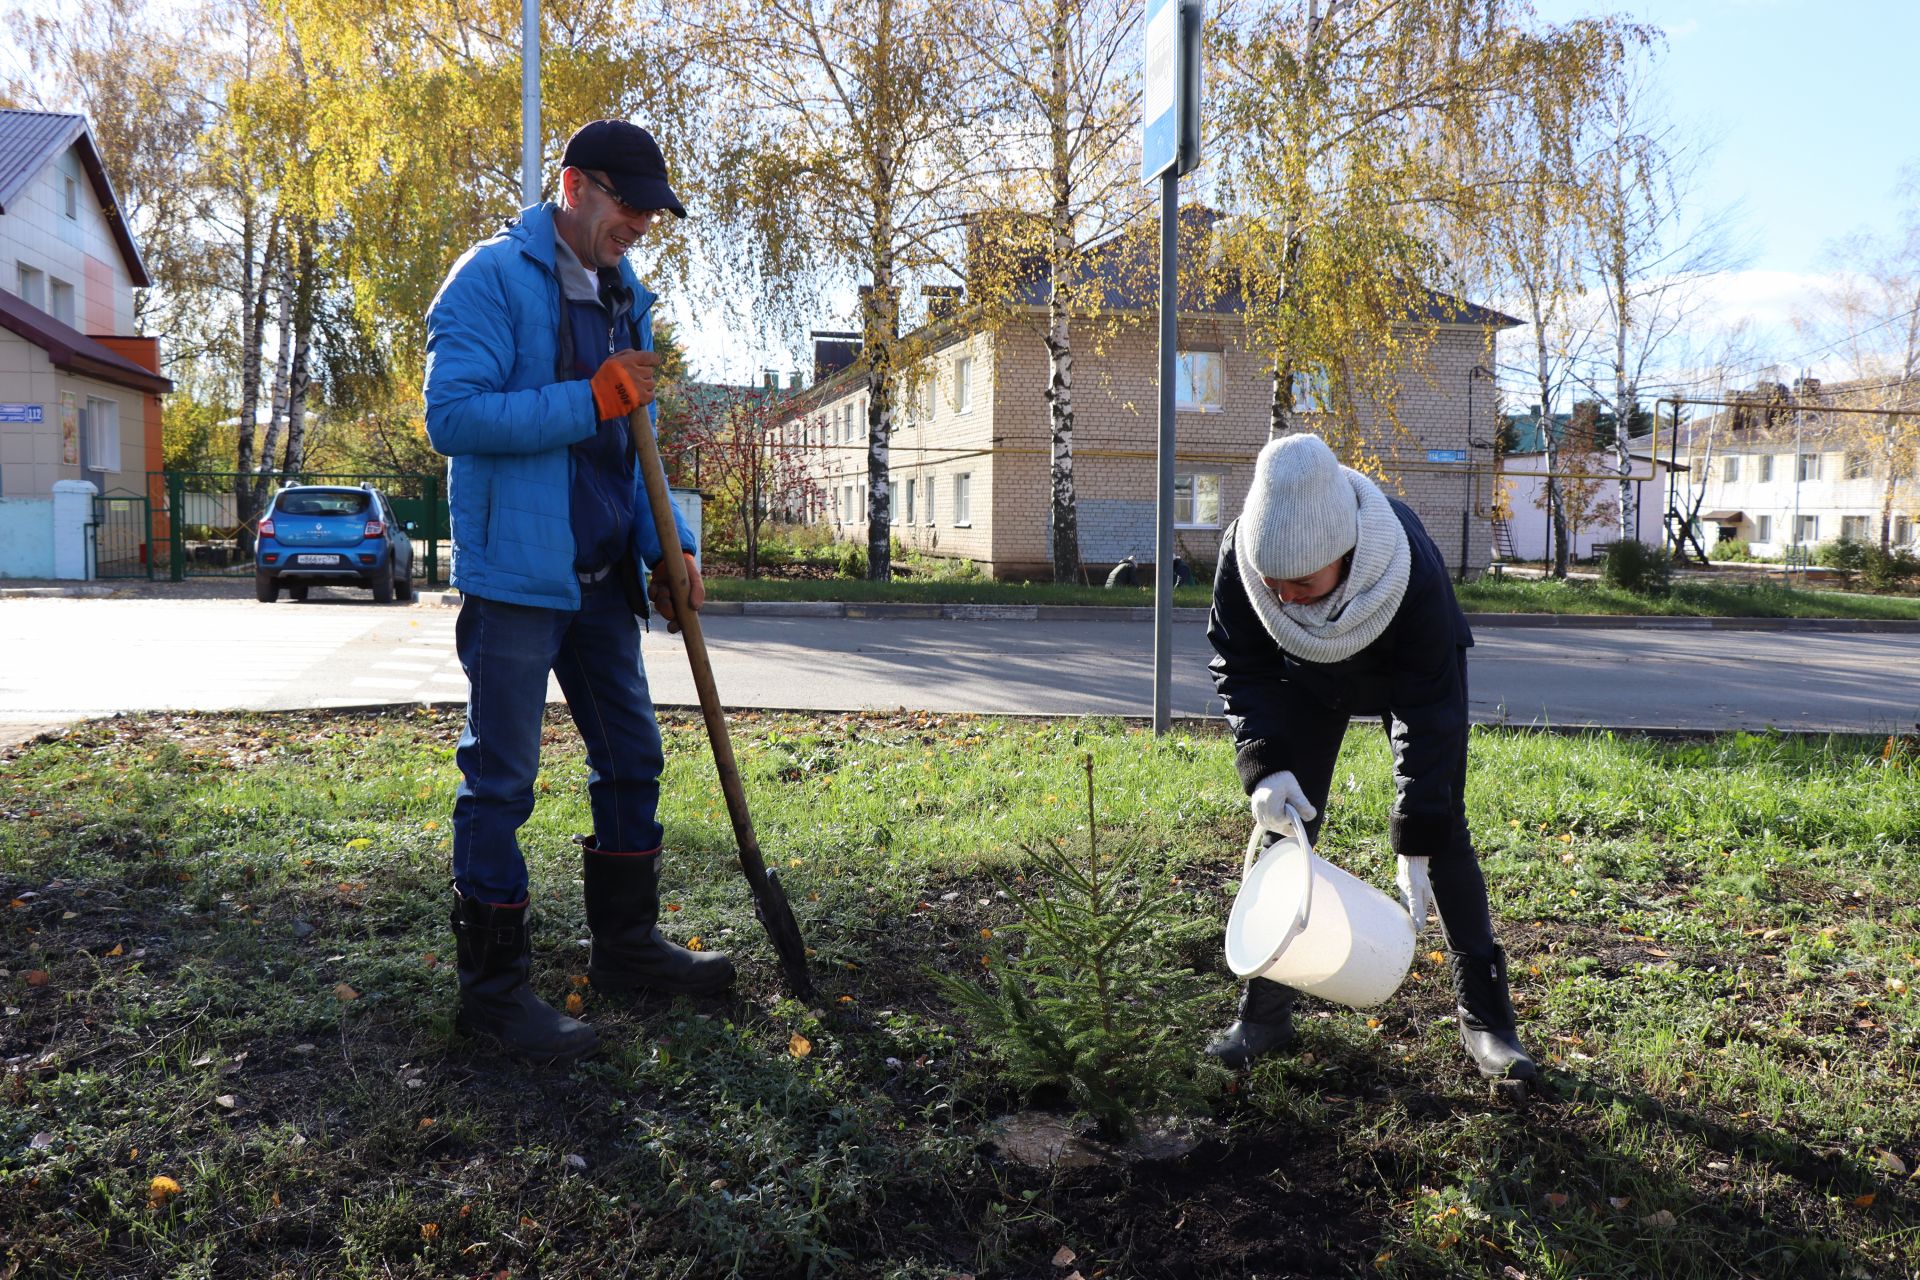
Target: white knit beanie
[{"x": 1302, "y": 513}]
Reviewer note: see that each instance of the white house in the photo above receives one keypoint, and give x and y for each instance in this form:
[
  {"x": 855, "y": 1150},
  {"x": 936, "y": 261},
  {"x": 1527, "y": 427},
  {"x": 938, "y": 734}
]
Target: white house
[{"x": 79, "y": 390}]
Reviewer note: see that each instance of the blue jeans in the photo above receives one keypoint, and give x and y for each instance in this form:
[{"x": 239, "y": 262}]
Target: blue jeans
[{"x": 507, "y": 650}]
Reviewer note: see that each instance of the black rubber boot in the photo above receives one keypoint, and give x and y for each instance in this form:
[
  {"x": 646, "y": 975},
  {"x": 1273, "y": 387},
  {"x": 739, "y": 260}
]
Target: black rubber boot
[
  {"x": 495, "y": 957},
  {"x": 1486, "y": 1016},
  {"x": 1265, "y": 1025},
  {"x": 623, "y": 914}
]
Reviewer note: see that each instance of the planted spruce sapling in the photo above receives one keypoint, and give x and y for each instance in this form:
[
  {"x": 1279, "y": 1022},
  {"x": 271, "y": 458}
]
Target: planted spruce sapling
[{"x": 1092, "y": 998}]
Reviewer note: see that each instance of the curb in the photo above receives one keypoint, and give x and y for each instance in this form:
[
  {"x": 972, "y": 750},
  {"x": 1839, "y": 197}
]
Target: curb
[
  {"x": 877, "y": 610},
  {"x": 33, "y": 593}
]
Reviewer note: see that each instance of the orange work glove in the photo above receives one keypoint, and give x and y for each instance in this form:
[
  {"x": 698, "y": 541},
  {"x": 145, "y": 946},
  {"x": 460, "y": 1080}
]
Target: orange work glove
[{"x": 624, "y": 382}]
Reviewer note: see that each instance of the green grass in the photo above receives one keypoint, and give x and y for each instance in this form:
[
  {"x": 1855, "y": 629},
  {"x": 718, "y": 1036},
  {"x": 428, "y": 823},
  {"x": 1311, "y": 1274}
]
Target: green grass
[
  {"x": 1686, "y": 599},
  {"x": 1713, "y": 944},
  {"x": 1485, "y": 595}
]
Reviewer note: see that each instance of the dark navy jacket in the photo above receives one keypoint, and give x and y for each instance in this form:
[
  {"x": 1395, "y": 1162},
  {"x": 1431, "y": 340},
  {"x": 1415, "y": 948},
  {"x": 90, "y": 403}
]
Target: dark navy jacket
[{"x": 1287, "y": 713}]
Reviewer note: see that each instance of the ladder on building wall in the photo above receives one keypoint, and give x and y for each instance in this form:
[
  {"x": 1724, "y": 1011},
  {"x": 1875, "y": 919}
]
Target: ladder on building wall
[{"x": 1503, "y": 540}]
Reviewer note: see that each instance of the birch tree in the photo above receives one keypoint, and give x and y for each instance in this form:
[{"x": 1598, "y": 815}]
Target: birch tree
[
  {"x": 1342, "y": 124},
  {"x": 1065, "y": 121},
  {"x": 839, "y": 156},
  {"x": 1871, "y": 315}
]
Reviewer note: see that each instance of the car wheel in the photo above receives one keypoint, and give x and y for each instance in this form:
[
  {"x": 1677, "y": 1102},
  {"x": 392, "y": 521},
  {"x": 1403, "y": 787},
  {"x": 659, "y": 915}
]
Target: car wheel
[
  {"x": 266, "y": 589},
  {"x": 383, "y": 584},
  {"x": 297, "y": 591}
]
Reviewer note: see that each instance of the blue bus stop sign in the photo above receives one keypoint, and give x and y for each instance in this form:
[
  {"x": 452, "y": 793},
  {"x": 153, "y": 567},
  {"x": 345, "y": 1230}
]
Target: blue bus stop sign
[{"x": 1170, "y": 93}]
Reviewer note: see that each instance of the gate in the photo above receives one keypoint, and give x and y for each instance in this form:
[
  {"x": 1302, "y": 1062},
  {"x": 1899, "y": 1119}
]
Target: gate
[
  {"x": 121, "y": 535},
  {"x": 211, "y": 537}
]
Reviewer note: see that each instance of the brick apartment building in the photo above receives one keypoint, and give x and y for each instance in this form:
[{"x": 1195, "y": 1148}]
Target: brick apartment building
[{"x": 971, "y": 452}]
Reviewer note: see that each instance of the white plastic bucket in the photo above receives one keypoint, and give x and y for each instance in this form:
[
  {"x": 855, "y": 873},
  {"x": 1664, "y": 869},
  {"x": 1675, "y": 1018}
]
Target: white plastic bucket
[{"x": 1303, "y": 922}]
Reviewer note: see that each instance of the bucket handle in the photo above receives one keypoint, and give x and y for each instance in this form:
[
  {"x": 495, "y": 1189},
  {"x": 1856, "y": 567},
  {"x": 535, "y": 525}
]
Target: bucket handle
[{"x": 1306, "y": 889}]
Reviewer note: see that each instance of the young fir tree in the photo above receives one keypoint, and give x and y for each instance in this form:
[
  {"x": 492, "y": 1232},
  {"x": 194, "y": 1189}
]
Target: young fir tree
[{"x": 1092, "y": 1002}]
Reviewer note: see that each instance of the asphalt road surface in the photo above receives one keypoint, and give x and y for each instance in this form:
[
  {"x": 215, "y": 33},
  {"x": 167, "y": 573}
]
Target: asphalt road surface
[{"x": 67, "y": 659}]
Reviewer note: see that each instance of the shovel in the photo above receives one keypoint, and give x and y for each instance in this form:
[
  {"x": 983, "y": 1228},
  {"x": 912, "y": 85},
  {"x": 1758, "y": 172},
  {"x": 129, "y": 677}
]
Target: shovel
[{"x": 769, "y": 899}]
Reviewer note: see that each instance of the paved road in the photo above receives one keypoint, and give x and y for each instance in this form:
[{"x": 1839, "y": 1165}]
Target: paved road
[{"x": 66, "y": 659}]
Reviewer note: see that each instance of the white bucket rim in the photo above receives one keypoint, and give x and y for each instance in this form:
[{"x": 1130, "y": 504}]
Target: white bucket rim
[{"x": 1280, "y": 849}]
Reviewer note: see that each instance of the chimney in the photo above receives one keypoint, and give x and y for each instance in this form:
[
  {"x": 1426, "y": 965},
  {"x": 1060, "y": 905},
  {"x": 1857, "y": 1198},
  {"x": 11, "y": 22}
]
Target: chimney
[
  {"x": 793, "y": 380},
  {"x": 770, "y": 379},
  {"x": 833, "y": 350},
  {"x": 942, "y": 300}
]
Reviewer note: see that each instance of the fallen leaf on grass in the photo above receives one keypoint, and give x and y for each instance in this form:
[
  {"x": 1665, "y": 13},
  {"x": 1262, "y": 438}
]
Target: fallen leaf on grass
[
  {"x": 1892, "y": 1163},
  {"x": 37, "y": 977},
  {"x": 575, "y": 1004},
  {"x": 204, "y": 1060},
  {"x": 426, "y": 1122},
  {"x": 694, "y": 944},
  {"x": 429, "y": 1231},
  {"x": 1063, "y": 1257},
  {"x": 227, "y": 1101},
  {"x": 40, "y": 1141},
  {"x": 118, "y": 951},
  {"x": 1619, "y": 1202},
  {"x": 1555, "y": 1200},
  {"x": 1661, "y": 1218},
  {"x": 799, "y": 1046},
  {"x": 1863, "y": 1202},
  {"x": 431, "y": 960},
  {"x": 161, "y": 1190},
  {"x": 343, "y": 992},
  {"x": 359, "y": 843}
]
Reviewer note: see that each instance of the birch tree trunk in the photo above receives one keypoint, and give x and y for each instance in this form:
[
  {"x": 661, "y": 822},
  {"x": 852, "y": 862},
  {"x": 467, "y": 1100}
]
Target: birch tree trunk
[
  {"x": 299, "y": 380},
  {"x": 282, "y": 374},
  {"x": 255, "y": 280},
  {"x": 882, "y": 333},
  {"x": 1059, "y": 339}
]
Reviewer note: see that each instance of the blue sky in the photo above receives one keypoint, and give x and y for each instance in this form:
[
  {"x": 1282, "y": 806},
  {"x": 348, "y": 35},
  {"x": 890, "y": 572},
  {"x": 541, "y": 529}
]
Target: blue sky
[{"x": 1810, "y": 110}]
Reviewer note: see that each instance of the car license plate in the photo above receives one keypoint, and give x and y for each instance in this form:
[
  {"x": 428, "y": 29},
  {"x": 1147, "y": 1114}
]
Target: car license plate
[{"x": 316, "y": 559}]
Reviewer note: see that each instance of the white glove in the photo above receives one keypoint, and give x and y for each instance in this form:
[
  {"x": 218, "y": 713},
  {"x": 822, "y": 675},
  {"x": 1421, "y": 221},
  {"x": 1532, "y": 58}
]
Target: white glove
[
  {"x": 1416, "y": 891},
  {"x": 1271, "y": 796}
]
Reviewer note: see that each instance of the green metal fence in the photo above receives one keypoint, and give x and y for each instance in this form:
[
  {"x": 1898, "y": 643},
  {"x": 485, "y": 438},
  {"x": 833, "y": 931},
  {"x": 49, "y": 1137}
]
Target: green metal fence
[
  {"x": 209, "y": 538},
  {"x": 122, "y": 535}
]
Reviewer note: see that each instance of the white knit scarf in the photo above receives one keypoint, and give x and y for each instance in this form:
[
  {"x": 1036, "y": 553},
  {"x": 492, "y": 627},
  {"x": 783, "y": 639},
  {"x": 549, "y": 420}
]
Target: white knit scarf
[{"x": 1353, "y": 617}]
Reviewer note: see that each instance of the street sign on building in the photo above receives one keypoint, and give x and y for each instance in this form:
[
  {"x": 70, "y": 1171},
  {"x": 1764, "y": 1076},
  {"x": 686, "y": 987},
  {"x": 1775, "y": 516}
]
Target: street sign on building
[
  {"x": 23, "y": 413},
  {"x": 1446, "y": 455}
]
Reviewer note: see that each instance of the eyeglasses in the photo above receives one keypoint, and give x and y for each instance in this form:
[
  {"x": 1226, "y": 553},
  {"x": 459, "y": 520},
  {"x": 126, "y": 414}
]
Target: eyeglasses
[{"x": 626, "y": 210}]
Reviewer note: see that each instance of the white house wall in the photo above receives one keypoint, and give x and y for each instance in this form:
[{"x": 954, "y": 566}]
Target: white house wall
[
  {"x": 1523, "y": 479},
  {"x": 81, "y": 251},
  {"x": 1829, "y": 499}
]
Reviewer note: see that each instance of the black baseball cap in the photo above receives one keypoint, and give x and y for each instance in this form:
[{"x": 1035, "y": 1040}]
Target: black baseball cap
[{"x": 630, "y": 158}]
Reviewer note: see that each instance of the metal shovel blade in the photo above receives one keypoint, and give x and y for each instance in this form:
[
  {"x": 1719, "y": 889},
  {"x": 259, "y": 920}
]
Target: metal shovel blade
[{"x": 776, "y": 916}]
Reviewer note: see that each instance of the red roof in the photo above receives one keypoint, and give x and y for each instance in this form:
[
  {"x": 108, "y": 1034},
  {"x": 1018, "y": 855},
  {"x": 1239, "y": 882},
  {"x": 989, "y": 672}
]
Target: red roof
[{"x": 73, "y": 350}]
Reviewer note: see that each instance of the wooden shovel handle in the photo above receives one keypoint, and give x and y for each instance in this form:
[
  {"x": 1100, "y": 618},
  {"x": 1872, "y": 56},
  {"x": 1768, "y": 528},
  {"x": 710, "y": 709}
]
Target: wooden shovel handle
[{"x": 673, "y": 564}]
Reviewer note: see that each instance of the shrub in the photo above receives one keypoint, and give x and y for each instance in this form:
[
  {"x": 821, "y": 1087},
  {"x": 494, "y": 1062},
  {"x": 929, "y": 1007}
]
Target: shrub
[
  {"x": 1841, "y": 553},
  {"x": 1637, "y": 567},
  {"x": 1888, "y": 570},
  {"x": 1096, "y": 1002}
]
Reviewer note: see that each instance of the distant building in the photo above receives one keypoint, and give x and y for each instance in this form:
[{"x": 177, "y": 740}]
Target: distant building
[
  {"x": 79, "y": 390},
  {"x": 971, "y": 447}
]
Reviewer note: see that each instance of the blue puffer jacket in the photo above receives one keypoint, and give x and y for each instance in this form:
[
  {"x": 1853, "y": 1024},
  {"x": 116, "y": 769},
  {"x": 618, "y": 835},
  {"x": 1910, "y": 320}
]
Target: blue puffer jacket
[{"x": 497, "y": 409}]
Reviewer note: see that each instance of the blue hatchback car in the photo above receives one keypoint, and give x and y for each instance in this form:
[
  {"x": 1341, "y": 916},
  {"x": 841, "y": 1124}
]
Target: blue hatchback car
[{"x": 331, "y": 535}]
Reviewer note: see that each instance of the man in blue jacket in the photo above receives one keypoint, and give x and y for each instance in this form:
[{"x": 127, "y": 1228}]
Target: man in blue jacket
[
  {"x": 539, "y": 345},
  {"x": 1331, "y": 601}
]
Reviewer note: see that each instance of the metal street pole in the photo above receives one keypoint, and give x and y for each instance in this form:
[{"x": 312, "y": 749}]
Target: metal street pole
[
  {"x": 529, "y": 103},
  {"x": 1163, "y": 506}
]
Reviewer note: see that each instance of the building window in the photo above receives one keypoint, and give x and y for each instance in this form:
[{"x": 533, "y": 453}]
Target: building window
[
  {"x": 907, "y": 510},
  {"x": 1859, "y": 466},
  {"x": 846, "y": 504},
  {"x": 1902, "y": 531},
  {"x": 1806, "y": 531},
  {"x": 1312, "y": 390},
  {"x": 1809, "y": 467},
  {"x": 1199, "y": 383},
  {"x": 60, "y": 301},
  {"x": 1730, "y": 469},
  {"x": 1196, "y": 501},
  {"x": 73, "y": 199},
  {"x": 963, "y": 501},
  {"x": 1766, "y": 468},
  {"x": 1853, "y": 528},
  {"x": 932, "y": 489},
  {"x": 103, "y": 434},
  {"x": 962, "y": 384},
  {"x": 865, "y": 513},
  {"x": 33, "y": 286}
]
